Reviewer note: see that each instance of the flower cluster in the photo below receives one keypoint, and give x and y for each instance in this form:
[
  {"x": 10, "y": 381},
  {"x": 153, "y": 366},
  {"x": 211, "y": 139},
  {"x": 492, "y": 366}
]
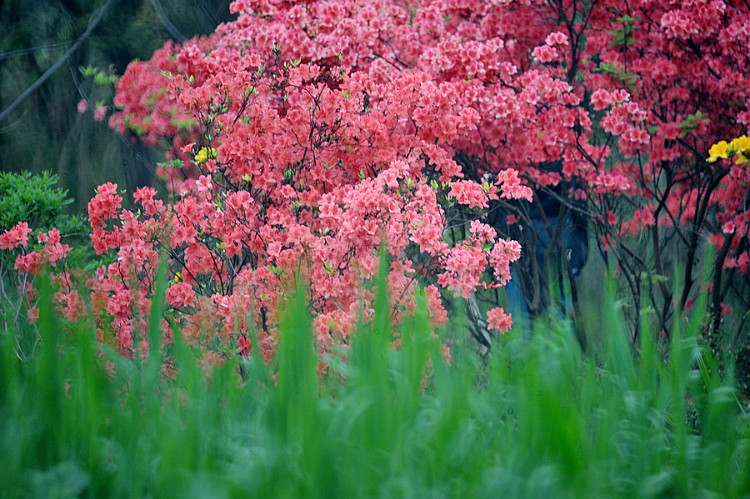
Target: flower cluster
[
  {"x": 17, "y": 236},
  {"x": 738, "y": 148}
]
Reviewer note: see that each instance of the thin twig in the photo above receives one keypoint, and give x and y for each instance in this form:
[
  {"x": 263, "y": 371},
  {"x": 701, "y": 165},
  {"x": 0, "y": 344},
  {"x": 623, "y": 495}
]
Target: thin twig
[
  {"x": 167, "y": 23},
  {"x": 38, "y": 83}
]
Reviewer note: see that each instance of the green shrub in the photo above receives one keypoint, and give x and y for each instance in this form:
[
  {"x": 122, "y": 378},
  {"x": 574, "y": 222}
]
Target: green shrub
[{"x": 34, "y": 199}]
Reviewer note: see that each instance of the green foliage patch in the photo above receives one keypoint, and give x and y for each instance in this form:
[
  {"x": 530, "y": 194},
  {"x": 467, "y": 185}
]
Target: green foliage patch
[{"x": 35, "y": 199}]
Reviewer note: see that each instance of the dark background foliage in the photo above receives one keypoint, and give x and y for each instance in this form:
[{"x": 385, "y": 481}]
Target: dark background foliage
[{"x": 46, "y": 133}]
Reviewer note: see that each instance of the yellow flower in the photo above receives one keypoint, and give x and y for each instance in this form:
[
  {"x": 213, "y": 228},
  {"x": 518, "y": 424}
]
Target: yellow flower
[
  {"x": 203, "y": 154},
  {"x": 741, "y": 159},
  {"x": 718, "y": 151},
  {"x": 740, "y": 144}
]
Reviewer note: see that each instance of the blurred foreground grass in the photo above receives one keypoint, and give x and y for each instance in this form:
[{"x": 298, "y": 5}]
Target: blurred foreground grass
[{"x": 539, "y": 419}]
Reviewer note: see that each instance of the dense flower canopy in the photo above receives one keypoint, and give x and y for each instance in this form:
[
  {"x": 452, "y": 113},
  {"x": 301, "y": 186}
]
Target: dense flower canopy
[{"x": 305, "y": 134}]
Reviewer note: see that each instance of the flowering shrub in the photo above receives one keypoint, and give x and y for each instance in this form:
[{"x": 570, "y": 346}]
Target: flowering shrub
[
  {"x": 732, "y": 244},
  {"x": 629, "y": 94},
  {"x": 33, "y": 229},
  {"x": 308, "y": 133},
  {"x": 667, "y": 80},
  {"x": 298, "y": 169}
]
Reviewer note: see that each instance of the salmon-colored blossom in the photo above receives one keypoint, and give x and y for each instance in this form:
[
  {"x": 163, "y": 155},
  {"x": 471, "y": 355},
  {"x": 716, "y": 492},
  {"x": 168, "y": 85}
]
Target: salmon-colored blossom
[{"x": 499, "y": 320}]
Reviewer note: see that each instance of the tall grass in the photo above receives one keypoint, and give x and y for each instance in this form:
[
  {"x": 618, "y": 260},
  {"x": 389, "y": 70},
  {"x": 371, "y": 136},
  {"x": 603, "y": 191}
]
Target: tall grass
[{"x": 540, "y": 419}]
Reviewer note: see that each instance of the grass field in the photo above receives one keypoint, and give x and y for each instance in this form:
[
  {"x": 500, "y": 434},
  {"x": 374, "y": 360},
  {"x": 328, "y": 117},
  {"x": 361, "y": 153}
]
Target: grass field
[{"x": 537, "y": 419}]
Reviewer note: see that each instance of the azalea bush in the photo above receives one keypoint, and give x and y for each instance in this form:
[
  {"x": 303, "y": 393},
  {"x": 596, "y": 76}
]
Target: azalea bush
[
  {"x": 304, "y": 135},
  {"x": 329, "y": 181},
  {"x": 629, "y": 95},
  {"x": 301, "y": 168}
]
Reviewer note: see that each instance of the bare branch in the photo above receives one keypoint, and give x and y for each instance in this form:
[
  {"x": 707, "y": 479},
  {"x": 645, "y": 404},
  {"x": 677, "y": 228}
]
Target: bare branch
[
  {"x": 38, "y": 83},
  {"x": 176, "y": 34},
  {"x": 31, "y": 50}
]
